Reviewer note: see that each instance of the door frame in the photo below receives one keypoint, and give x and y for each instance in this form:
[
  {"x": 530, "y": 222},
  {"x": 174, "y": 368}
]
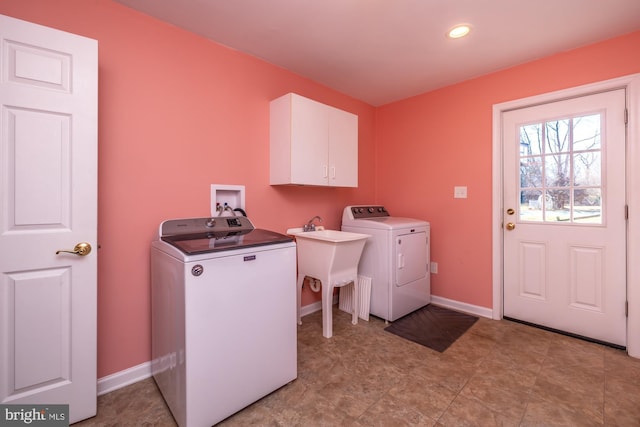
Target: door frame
[{"x": 632, "y": 85}]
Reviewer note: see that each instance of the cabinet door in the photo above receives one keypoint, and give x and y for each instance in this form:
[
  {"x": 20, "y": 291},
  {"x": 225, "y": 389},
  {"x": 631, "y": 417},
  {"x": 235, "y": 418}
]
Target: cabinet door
[
  {"x": 309, "y": 146},
  {"x": 343, "y": 148}
]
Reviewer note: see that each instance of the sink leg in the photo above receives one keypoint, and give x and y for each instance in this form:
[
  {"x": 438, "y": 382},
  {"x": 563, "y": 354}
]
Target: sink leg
[
  {"x": 356, "y": 297},
  {"x": 327, "y": 307},
  {"x": 299, "y": 296}
]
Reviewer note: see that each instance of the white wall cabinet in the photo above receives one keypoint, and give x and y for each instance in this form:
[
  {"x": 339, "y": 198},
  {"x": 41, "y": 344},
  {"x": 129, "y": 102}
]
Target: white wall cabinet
[{"x": 312, "y": 143}]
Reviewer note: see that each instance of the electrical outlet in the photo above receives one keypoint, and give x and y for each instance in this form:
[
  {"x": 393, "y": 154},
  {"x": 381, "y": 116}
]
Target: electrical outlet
[{"x": 434, "y": 268}]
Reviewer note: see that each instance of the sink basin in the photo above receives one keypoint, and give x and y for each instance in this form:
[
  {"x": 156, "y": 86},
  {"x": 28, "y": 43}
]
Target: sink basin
[
  {"x": 332, "y": 257},
  {"x": 333, "y": 236},
  {"x": 324, "y": 252}
]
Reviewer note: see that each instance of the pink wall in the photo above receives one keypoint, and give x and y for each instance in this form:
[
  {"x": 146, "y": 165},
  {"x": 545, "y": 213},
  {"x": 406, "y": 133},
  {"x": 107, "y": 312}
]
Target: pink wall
[
  {"x": 178, "y": 113},
  {"x": 430, "y": 143}
]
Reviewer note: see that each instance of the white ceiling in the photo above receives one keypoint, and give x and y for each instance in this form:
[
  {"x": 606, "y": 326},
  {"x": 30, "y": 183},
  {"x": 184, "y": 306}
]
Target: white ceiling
[{"x": 380, "y": 51}]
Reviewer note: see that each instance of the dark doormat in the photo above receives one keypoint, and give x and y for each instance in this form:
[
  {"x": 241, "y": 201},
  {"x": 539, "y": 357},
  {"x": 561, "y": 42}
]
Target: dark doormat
[{"x": 432, "y": 326}]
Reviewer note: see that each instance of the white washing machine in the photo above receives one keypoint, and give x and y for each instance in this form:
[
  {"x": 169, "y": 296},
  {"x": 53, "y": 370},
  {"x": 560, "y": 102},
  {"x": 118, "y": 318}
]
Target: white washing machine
[
  {"x": 223, "y": 316},
  {"x": 396, "y": 258}
]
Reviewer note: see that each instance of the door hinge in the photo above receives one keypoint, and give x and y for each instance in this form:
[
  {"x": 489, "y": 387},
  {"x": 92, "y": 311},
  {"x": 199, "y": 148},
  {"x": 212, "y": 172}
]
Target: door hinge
[
  {"x": 626, "y": 309},
  {"x": 626, "y": 116},
  {"x": 626, "y": 212}
]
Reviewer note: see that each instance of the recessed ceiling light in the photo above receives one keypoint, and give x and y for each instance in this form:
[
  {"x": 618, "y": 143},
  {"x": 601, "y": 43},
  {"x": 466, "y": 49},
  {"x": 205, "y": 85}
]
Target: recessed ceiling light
[{"x": 458, "y": 31}]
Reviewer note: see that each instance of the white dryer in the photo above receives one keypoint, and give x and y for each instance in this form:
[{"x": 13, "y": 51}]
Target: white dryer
[{"x": 396, "y": 257}]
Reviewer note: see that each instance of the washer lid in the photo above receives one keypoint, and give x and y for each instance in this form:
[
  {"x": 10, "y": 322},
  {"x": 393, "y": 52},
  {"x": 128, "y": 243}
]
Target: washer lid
[
  {"x": 192, "y": 244},
  {"x": 213, "y": 234}
]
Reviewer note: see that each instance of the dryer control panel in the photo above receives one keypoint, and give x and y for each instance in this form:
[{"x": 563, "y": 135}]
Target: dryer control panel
[{"x": 365, "y": 211}]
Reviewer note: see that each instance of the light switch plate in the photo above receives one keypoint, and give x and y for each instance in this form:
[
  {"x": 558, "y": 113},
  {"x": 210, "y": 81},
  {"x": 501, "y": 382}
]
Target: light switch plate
[{"x": 460, "y": 192}]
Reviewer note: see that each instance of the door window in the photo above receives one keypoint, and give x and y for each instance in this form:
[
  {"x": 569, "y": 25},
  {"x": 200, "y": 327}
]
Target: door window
[{"x": 561, "y": 169}]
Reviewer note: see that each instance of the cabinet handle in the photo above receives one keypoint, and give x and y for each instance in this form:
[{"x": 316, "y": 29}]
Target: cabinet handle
[
  {"x": 333, "y": 172},
  {"x": 325, "y": 171}
]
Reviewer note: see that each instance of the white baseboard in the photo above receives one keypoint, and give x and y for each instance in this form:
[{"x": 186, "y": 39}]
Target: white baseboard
[
  {"x": 462, "y": 306},
  {"x": 435, "y": 300},
  {"x": 311, "y": 308},
  {"x": 143, "y": 371},
  {"x": 316, "y": 306},
  {"x": 124, "y": 378}
]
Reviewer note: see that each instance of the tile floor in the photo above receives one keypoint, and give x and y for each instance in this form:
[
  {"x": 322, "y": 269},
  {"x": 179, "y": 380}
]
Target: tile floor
[{"x": 499, "y": 373}]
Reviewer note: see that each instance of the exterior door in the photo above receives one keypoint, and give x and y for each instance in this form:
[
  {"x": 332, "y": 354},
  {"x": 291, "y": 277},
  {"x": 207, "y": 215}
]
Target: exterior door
[
  {"x": 48, "y": 202},
  {"x": 565, "y": 216}
]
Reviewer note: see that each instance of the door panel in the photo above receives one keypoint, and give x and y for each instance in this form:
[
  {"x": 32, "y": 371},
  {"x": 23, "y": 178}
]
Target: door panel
[
  {"x": 532, "y": 268},
  {"x": 37, "y": 66},
  {"x": 586, "y": 277},
  {"x": 564, "y": 215},
  {"x": 39, "y": 165},
  {"x": 48, "y": 203},
  {"x": 41, "y": 309}
]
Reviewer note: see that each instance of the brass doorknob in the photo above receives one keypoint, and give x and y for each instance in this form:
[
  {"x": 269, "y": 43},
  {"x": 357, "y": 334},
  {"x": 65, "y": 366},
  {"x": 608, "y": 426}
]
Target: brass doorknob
[
  {"x": 510, "y": 226},
  {"x": 81, "y": 249},
  {"x": 510, "y": 211}
]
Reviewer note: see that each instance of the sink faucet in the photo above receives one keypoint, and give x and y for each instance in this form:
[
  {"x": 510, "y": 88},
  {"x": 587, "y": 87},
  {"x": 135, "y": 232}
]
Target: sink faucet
[{"x": 310, "y": 226}]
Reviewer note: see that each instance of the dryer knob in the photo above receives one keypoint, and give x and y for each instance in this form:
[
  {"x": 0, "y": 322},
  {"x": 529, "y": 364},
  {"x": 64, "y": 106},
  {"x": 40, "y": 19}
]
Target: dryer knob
[{"x": 370, "y": 210}]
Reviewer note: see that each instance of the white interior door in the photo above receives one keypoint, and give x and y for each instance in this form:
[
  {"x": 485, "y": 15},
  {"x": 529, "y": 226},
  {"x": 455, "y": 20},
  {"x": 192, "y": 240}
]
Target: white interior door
[
  {"x": 48, "y": 202},
  {"x": 565, "y": 216}
]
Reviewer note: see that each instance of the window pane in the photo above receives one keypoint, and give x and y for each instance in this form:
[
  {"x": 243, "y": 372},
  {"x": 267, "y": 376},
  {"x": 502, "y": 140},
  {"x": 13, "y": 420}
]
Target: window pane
[
  {"x": 530, "y": 205},
  {"x": 557, "y": 205},
  {"x": 557, "y": 134},
  {"x": 586, "y": 132},
  {"x": 531, "y": 172},
  {"x": 556, "y": 170},
  {"x": 558, "y": 199},
  {"x": 587, "y": 206},
  {"x": 531, "y": 140},
  {"x": 587, "y": 169}
]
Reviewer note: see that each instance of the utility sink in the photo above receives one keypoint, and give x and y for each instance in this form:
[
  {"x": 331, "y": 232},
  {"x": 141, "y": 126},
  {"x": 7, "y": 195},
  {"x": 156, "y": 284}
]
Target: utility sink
[
  {"x": 332, "y": 257},
  {"x": 333, "y": 236},
  {"x": 328, "y": 251}
]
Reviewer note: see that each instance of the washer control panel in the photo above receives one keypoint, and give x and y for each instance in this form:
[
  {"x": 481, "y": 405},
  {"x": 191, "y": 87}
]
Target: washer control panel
[
  {"x": 365, "y": 211},
  {"x": 217, "y": 224}
]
